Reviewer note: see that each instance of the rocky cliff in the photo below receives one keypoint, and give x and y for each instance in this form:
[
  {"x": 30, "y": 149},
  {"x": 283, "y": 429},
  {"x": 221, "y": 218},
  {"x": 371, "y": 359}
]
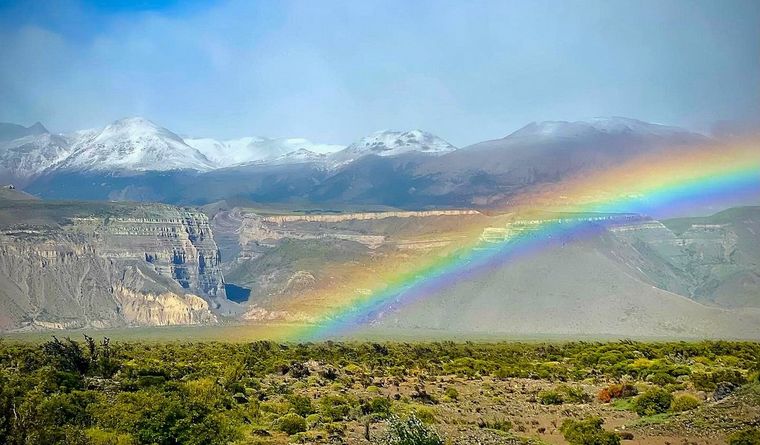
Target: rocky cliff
[{"x": 70, "y": 265}]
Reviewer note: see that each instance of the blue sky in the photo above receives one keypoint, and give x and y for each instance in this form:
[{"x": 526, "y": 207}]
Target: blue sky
[{"x": 334, "y": 71}]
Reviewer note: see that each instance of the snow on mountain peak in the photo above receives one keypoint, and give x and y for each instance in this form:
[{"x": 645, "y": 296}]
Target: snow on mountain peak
[
  {"x": 256, "y": 149},
  {"x": 392, "y": 143},
  {"x": 134, "y": 143},
  {"x": 598, "y": 125}
]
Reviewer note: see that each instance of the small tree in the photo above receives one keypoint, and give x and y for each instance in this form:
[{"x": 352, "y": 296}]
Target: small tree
[{"x": 66, "y": 355}]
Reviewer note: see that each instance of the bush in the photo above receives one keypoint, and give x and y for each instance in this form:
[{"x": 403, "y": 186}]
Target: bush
[
  {"x": 410, "y": 431},
  {"x": 621, "y": 390},
  {"x": 379, "y": 406},
  {"x": 291, "y": 424},
  {"x": 496, "y": 424},
  {"x": 301, "y": 405},
  {"x": 425, "y": 414},
  {"x": 313, "y": 420},
  {"x": 587, "y": 432},
  {"x": 550, "y": 398},
  {"x": 655, "y": 401},
  {"x": 563, "y": 394},
  {"x": 684, "y": 402},
  {"x": 575, "y": 394},
  {"x": 334, "y": 408},
  {"x": 745, "y": 437},
  {"x": 452, "y": 393},
  {"x": 604, "y": 395}
]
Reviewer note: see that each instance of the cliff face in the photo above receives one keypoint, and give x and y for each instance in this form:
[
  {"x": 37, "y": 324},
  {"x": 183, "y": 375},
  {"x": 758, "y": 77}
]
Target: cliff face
[{"x": 146, "y": 265}]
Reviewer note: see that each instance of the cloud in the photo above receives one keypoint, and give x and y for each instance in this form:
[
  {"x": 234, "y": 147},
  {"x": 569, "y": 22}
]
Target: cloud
[{"x": 334, "y": 71}]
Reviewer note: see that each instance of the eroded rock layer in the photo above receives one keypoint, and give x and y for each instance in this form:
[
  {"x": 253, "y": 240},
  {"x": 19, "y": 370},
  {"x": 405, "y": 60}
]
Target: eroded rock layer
[{"x": 107, "y": 266}]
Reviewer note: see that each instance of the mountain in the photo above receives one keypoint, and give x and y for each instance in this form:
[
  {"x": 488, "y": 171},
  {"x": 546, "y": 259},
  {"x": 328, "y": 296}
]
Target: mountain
[
  {"x": 256, "y": 149},
  {"x": 13, "y": 131},
  {"x": 393, "y": 143},
  {"x": 133, "y": 144},
  {"x": 301, "y": 155},
  {"x": 410, "y": 170},
  {"x": 27, "y": 152},
  {"x": 487, "y": 173},
  {"x": 552, "y": 130}
]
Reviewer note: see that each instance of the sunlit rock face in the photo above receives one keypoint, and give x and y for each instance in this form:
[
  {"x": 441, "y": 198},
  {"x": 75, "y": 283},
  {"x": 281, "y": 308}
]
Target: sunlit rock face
[{"x": 143, "y": 266}]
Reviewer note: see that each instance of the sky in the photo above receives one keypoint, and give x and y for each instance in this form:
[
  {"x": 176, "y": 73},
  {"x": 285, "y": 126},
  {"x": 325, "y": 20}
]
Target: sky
[{"x": 334, "y": 71}]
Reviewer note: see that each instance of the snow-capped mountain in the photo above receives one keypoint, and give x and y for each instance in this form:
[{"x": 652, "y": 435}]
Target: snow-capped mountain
[
  {"x": 256, "y": 149},
  {"x": 388, "y": 143},
  {"x": 133, "y": 144},
  {"x": 27, "y": 156},
  {"x": 612, "y": 126},
  {"x": 392, "y": 143},
  {"x": 299, "y": 156}
]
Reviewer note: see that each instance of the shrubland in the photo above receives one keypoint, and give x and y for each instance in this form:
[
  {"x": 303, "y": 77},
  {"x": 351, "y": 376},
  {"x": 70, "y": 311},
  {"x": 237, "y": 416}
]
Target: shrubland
[{"x": 99, "y": 392}]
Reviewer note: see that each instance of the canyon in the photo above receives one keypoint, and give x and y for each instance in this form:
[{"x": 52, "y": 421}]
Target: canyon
[{"x": 67, "y": 265}]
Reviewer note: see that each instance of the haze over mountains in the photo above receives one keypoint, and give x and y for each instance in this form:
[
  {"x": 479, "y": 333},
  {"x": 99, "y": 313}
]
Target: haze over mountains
[{"x": 135, "y": 159}]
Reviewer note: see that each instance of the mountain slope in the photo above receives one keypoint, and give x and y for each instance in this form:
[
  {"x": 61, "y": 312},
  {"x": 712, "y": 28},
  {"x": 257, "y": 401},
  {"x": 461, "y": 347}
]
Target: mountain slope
[
  {"x": 134, "y": 144},
  {"x": 575, "y": 290}
]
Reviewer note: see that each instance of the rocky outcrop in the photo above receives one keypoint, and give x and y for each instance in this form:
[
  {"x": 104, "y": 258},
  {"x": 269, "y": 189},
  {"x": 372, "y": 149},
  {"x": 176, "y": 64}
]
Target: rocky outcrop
[
  {"x": 166, "y": 308},
  {"x": 144, "y": 265}
]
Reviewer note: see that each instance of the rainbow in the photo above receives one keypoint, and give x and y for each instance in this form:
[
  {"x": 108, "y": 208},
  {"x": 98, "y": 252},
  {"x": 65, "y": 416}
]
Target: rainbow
[{"x": 664, "y": 184}]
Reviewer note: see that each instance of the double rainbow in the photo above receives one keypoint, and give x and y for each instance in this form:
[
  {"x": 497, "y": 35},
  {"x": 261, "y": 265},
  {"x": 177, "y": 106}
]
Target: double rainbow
[{"x": 667, "y": 183}]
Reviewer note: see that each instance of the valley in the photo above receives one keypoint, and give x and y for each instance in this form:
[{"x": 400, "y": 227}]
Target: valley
[{"x": 68, "y": 265}]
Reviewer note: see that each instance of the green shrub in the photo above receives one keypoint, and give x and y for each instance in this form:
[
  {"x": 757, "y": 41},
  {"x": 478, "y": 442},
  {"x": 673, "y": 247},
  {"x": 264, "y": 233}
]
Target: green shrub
[
  {"x": 745, "y": 437},
  {"x": 655, "y": 401},
  {"x": 575, "y": 394},
  {"x": 334, "y": 407},
  {"x": 379, "y": 406},
  {"x": 452, "y": 393},
  {"x": 497, "y": 424},
  {"x": 410, "y": 431},
  {"x": 551, "y": 397},
  {"x": 684, "y": 402},
  {"x": 587, "y": 432},
  {"x": 562, "y": 394},
  {"x": 301, "y": 405},
  {"x": 291, "y": 423},
  {"x": 661, "y": 379},
  {"x": 313, "y": 420},
  {"x": 424, "y": 414}
]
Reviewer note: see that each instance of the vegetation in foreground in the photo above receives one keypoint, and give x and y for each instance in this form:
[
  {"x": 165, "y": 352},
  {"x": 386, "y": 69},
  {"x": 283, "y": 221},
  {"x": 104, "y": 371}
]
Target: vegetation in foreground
[{"x": 96, "y": 392}]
